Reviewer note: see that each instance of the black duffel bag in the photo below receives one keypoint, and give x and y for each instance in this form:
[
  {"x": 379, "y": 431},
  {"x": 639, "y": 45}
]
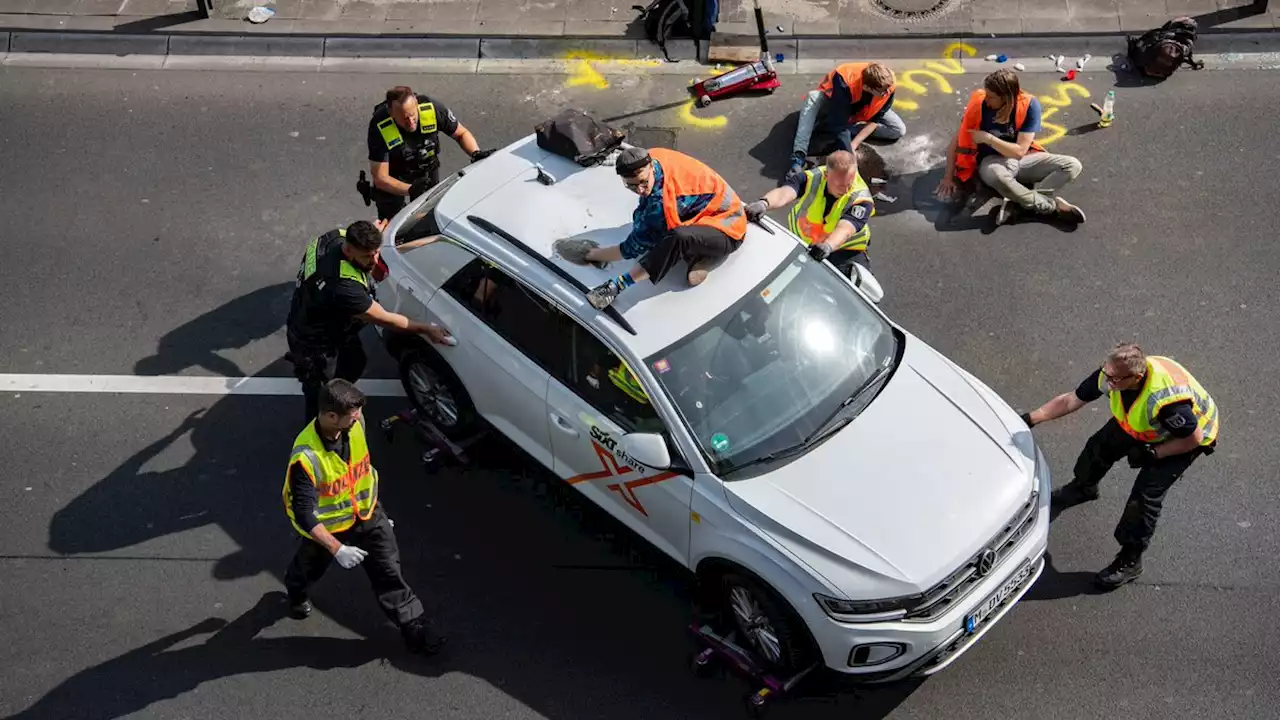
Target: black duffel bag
[{"x": 581, "y": 138}]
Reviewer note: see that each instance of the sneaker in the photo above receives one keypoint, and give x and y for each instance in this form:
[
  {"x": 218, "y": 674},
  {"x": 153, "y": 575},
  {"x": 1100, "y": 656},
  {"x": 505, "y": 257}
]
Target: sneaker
[
  {"x": 1073, "y": 493},
  {"x": 601, "y": 297},
  {"x": 300, "y": 609},
  {"x": 1070, "y": 212},
  {"x": 421, "y": 638},
  {"x": 1004, "y": 214},
  {"x": 1124, "y": 569}
]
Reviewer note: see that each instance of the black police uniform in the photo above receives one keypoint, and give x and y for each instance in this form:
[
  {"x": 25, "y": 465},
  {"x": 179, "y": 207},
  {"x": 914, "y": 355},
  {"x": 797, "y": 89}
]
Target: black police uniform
[
  {"x": 323, "y": 329},
  {"x": 415, "y": 158}
]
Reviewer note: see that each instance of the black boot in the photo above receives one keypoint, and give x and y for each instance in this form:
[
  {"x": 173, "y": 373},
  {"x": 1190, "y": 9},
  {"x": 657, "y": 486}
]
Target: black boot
[
  {"x": 1124, "y": 569},
  {"x": 420, "y": 638},
  {"x": 299, "y": 608},
  {"x": 1073, "y": 493}
]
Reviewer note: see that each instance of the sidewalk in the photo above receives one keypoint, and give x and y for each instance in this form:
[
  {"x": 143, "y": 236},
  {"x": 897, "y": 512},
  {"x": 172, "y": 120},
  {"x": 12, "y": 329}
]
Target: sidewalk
[{"x": 605, "y": 19}]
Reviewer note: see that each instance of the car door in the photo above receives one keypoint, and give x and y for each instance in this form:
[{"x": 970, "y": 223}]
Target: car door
[
  {"x": 507, "y": 341},
  {"x": 589, "y": 414}
]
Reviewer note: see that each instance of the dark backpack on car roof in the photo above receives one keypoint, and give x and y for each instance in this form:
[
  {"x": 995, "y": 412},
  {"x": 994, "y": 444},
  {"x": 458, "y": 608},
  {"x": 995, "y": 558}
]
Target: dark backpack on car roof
[
  {"x": 1160, "y": 51},
  {"x": 576, "y": 135}
]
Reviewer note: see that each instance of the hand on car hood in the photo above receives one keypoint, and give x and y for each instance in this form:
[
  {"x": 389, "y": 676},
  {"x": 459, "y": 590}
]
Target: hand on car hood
[{"x": 925, "y": 476}]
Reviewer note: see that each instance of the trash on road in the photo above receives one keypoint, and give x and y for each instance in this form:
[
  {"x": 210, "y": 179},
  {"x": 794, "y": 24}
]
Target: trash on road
[
  {"x": 1071, "y": 75},
  {"x": 260, "y": 14},
  {"x": 884, "y": 198},
  {"x": 1019, "y": 66},
  {"x": 998, "y": 58},
  {"x": 1080, "y": 63}
]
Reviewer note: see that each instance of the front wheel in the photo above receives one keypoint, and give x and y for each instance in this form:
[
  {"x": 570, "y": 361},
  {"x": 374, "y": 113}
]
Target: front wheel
[
  {"x": 437, "y": 393},
  {"x": 769, "y": 628}
]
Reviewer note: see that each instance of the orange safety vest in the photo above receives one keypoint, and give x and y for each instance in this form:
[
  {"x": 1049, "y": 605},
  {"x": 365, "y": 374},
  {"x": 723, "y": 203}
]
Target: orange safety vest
[
  {"x": 683, "y": 175},
  {"x": 852, "y": 74},
  {"x": 966, "y": 148}
]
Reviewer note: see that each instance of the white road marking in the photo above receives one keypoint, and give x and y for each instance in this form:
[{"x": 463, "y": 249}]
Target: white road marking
[{"x": 177, "y": 385}]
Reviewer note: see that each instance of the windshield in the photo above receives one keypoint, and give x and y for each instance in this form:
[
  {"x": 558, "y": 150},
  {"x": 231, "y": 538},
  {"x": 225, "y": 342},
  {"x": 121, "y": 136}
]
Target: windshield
[
  {"x": 777, "y": 372},
  {"x": 423, "y": 222}
]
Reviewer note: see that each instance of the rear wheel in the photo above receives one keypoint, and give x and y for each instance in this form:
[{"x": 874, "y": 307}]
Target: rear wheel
[
  {"x": 437, "y": 393},
  {"x": 769, "y": 628}
]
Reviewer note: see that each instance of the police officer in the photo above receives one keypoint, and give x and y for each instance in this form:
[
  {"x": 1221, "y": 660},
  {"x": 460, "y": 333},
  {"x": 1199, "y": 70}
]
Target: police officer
[
  {"x": 331, "y": 497},
  {"x": 832, "y": 210},
  {"x": 1162, "y": 420},
  {"x": 404, "y": 147},
  {"x": 333, "y": 299}
]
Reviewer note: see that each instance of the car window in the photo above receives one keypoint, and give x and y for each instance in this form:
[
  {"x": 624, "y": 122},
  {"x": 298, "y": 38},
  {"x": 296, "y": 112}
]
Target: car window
[
  {"x": 521, "y": 316},
  {"x": 424, "y": 221},
  {"x": 602, "y": 379}
]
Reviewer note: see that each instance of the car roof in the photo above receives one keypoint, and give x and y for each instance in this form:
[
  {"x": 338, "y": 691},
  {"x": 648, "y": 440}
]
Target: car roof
[{"x": 591, "y": 202}]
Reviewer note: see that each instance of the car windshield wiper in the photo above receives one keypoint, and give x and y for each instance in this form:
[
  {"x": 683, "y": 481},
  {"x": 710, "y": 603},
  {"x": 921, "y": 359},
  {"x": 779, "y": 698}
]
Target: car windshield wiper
[
  {"x": 835, "y": 421},
  {"x": 828, "y": 427}
]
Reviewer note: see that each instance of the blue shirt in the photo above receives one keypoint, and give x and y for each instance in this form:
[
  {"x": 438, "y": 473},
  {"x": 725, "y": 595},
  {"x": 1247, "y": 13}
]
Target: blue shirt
[
  {"x": 649, "y": 223},
  {"x": 1031, "y": 124},
  {"x": 842, "y": 97}
]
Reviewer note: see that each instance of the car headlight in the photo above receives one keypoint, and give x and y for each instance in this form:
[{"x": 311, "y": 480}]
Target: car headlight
[{"x": 855, "y": 611}]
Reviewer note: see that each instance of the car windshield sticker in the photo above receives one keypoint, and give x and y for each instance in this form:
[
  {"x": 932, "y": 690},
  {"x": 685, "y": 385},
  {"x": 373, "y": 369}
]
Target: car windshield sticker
[
  {"x": 719, "y": 442},
  {"x": 770, "y": 293},
  {"x": 662, "y": 366}
]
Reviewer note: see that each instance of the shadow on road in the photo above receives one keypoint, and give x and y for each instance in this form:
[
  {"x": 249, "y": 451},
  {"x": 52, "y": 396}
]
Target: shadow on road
[
  {"x": 542, "y": 595},
  {"x": 1056, "y": 585}
]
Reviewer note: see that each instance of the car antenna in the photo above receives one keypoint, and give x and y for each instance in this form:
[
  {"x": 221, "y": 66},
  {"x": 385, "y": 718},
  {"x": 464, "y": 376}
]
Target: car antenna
[{"x": 544, "y": 177}]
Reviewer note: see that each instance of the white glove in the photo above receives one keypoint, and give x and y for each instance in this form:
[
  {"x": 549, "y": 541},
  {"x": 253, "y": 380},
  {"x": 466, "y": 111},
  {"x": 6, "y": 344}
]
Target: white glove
[{"x": 349, "y": 557}]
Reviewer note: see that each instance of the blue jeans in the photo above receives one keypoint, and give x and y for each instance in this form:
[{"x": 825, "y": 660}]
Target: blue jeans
[{"x": 890, "y": 127}]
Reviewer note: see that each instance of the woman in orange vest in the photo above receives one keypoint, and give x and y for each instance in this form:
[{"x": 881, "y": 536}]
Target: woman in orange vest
[
  {"x": 997, "y": 139},
  {"x": 857, "y": 98},
  {"x": 686, "y": 211}
]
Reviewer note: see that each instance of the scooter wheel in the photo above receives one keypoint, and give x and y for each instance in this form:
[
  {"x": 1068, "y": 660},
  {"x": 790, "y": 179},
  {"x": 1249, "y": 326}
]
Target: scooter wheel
[{"x": 704, "y": 100}]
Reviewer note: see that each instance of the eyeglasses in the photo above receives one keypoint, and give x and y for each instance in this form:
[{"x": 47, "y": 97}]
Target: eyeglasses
[{"x": 1113, "y": 379}]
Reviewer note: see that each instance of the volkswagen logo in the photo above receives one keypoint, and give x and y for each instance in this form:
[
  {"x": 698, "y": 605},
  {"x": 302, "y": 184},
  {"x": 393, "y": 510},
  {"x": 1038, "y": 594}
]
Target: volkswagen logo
[{"x": 986, "y": 561}]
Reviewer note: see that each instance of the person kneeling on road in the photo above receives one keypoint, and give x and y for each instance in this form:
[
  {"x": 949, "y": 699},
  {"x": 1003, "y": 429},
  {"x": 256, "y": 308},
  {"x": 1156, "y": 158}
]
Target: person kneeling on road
[
  {"x": 331, "y": 497},
  {"x": 404, "y": 147},
  {"x": 857, "y": 99},
  {"x": 997, "y": 138},
  {"x": 334, "y": 297},
  {"x": 1162, "y": 420},
  {"x": 833, "y": 214},
  {"x": 686, "y": 211}
]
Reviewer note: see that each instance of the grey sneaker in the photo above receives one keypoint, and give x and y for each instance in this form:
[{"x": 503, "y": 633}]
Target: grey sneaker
[
  {"x": 1004, "y": 215},
  {"x": 601, "y": 297}
]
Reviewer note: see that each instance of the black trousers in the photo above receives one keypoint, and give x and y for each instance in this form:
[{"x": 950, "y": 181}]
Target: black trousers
[
  {"x": 1142, "y": 510},
  {"x": 388, "y": 205},
  {"x": 690, "y": 243},
  {"x": 375, "y": 537},
  {"x": 843, "y": 260},
  {"x": 316, "y": 366}
]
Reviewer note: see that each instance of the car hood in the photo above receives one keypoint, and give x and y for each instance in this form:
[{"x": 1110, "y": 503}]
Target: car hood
[{"x": 925, "y": 476}]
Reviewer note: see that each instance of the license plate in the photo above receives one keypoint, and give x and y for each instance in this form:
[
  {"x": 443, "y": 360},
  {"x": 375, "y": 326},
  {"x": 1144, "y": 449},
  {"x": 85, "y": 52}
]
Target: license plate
[{"x": 997, "y": 598}]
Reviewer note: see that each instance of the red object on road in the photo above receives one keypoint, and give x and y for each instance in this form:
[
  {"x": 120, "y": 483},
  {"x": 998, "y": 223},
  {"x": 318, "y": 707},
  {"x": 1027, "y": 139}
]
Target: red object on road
[
  {"x": 757, "y": 75},
  {"x": 1071, "y": 75}
]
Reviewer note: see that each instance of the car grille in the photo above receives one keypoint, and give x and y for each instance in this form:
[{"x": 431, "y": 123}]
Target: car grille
[{"x": 941, "y": 597}]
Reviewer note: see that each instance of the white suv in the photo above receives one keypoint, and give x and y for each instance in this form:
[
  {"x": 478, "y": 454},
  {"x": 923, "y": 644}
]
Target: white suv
[{"x": 846, "y": 493}]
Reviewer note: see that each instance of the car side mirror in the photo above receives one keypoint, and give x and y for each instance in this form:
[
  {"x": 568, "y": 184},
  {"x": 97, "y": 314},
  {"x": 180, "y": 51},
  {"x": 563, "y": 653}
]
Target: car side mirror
[
  {"x": 648, "y": 449},
  {"x": 865, "y": 281}
]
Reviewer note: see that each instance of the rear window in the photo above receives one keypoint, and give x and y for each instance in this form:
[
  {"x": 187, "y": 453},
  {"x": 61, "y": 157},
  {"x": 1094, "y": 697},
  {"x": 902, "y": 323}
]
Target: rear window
[{"x": 424, "y": 221}]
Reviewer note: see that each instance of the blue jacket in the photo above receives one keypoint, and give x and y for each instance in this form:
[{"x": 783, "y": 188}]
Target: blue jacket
[{"x": 649, "y": 223}]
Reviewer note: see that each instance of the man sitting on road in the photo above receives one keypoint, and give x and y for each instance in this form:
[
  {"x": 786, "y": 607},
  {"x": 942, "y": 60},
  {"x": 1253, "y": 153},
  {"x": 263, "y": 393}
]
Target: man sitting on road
[
  {"x": 857, "y": 98},
  {"x": 998, "y": 113},
  {"x": 833, "y": 214},
  {"x": 686, "y": 211}
]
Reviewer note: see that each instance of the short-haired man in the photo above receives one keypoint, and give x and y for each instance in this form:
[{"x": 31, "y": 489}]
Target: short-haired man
[
  {"x": 857, "y": 98},
  {"x": 1162, "y": 420},
  {"x": 335, "y": 296},
  {"x": 404, "y": 147},
  {"x": 833, "y": 214},
  {"x": 331, "y": 497},
  {"x": 686, "y": 211}
]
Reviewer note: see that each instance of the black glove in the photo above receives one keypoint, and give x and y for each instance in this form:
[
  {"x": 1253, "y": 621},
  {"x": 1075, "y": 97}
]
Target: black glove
[
  {"x": 418, "y": 187},
  {"x": 479, "y": 155},
  {"x": 1026, "y": 418},
  {"x": 756, "y": 210},
  {"x": 819, "y": 252},
  {"x": 1142, "y": 456}
]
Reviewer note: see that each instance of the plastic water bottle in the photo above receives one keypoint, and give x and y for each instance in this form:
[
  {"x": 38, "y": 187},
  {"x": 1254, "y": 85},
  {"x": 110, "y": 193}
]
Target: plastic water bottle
[{"x": 1108, "y": 109}]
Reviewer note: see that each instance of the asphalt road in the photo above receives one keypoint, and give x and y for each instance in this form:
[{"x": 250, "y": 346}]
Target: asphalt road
[{"x": 153, "y": 224}]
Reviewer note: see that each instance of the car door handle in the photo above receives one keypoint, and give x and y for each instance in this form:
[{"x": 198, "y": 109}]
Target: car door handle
[{"x": 563, "y": 425}]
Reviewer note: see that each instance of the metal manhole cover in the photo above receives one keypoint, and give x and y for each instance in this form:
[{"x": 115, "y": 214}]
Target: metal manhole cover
[
  {"x": 651, "y": 137},
  {"x": 910, "y": 10}
]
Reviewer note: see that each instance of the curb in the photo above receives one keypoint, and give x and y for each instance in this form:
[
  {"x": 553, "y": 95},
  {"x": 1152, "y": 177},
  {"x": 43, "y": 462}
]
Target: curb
[{"x": 72, "y": 42}]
